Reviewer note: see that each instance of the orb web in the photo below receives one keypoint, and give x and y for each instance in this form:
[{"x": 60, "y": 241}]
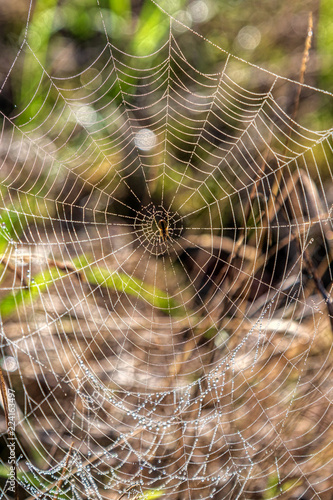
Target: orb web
[{"x": 166, "y": 247}]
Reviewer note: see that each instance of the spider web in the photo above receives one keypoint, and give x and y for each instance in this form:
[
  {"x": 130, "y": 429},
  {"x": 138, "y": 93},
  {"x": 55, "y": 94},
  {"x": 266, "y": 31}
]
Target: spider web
[{"x": 166, "y": 247}]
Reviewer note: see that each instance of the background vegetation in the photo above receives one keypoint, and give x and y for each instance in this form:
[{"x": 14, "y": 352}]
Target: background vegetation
[{"x": 65, "y": 37}]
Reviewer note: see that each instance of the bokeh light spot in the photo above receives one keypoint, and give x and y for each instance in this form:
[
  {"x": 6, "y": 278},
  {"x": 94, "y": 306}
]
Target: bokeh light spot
[
  {"x": 249, "y": 37},
  {"x": 145, "y": 139}
]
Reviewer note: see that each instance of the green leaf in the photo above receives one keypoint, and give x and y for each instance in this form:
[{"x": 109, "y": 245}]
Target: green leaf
[
  {"x": 120, "y": 7},
  {"x": 151, "y": 30},
  {"x": 38, "y": 285},
  {"x": 95, "y": 275},
  {"x": 5, "y": 471},
  {"x": 151, "y": 494},
  {"x": 121, "y": 282},
  {"x": 40, "y": 30},
  {"x": 275, "y": 486},
  {"x": 16, "y": 218}
]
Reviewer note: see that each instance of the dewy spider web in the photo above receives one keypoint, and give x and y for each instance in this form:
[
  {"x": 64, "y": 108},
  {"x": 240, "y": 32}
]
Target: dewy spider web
[{"x": 166, "y": 244}]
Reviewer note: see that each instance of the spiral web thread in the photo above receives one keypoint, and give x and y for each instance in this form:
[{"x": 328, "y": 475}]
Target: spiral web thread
[{"x": 163, "y": 327}]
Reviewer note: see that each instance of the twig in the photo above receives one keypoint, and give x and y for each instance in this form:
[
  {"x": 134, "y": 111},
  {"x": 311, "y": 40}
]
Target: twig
[
  {"x": 305, "y": 60},
  {"x": 127, "y": 490},
  {"x": 307, "y": 257},
  {"x": 15, "y": 269},
  {"x": 61, "y": 480},
  {"x": 3, "y": 390},
  {"x": 67, "y": 267}
]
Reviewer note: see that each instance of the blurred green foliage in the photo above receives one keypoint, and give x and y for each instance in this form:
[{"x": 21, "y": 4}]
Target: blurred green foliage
[
  {"x": 54, "y": 24},
  {"x": 122, "y": 282},
  {"x": 15, "y": 219},
  {"x": 141, "y": 28},
  {"x": 39, "y": 284},
  {"x": 151, "y": 494},
  {"x": 324, "y": 36},
  {"x": 95, "y": 276},
  {"x": 275, "y": 487}
]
